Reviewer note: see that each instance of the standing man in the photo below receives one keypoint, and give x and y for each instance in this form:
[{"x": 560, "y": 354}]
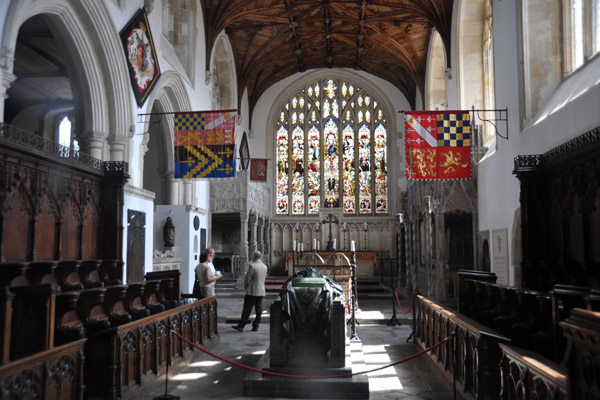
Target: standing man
[{"x": 254, "y": 283}]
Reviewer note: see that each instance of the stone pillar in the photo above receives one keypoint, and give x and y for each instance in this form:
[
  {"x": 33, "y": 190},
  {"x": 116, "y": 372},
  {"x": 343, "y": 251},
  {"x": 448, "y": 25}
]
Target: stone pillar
[
  {"x": 92, "y": 143},
  {"x": 118, "y": 145},
  {"x": 267, "y": 243},
  {"x": 252, "y": 227},
  {"x": 7, "y": 60},
  {"x": 170, "y": 188},
  {"x": 188, "y": 192},
  {"x": 259, "y": 235},
  {"x": 243, "y": 250}
]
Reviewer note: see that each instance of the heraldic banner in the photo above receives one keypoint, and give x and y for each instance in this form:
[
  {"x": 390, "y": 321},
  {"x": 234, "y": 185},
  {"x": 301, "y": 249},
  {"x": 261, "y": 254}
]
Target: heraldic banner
[
  {"x": 438, "y": 145},
  {"x": 205, "y": 144}
]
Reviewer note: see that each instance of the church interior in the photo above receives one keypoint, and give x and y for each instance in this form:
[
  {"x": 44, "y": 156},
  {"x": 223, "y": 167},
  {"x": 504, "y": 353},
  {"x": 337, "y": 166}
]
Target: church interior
[{"x": 101, "y": 231}]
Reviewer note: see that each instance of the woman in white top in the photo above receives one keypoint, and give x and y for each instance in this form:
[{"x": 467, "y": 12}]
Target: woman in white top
[{"x": 206, "y": 273}]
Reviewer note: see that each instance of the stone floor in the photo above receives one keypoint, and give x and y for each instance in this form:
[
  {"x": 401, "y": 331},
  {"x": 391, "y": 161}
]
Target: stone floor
[{"x": 211, "y": 378}]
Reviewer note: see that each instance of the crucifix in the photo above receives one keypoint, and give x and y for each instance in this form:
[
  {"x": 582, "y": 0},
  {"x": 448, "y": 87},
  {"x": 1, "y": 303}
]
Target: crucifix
[{"x": 330, "y": 219}]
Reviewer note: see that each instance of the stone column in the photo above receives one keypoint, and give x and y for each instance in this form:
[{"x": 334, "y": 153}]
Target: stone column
[
  {"x": 7, "y": 60},
  {"x": 252, "y": 226},
  {"x": 118, "y": 145},
  {"x": 92, "y": 143},
  {"x": 188, "y": 192},
  {"x": 243, "y": 250},
  {"x": 259, "y": 235},
  {"x": 267, "y": 243},
  {"x": 170, "y": 188}
]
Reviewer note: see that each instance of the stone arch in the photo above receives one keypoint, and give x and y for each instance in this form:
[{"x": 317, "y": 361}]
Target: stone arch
[
  {"x": 469, "y": 47},
  {"x": 168, "y": 96},
  {"x": 435, "y": 84},
  {"x": 104, "y": 105},
  {"x": 222, "y": 72}
]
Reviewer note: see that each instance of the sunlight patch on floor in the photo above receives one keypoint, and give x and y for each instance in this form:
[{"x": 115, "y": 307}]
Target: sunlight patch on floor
[
  {"x": 203, "y": 364},
  {"x": 376, "y": 356},
  {"x": 370, "y": 315},
  {"x": 188, "y": 376},
  {"x": 384, "y": 384}
]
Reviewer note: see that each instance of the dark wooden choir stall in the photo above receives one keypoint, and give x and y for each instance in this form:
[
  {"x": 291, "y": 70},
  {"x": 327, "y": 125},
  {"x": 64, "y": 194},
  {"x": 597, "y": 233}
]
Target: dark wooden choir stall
[{"x": 69, "y": 326}]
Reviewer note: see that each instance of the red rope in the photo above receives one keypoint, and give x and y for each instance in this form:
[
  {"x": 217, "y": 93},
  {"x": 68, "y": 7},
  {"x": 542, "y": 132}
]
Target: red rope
[
  {"x": 400, "y": 305},
  {"x": 306, "y": 376}
]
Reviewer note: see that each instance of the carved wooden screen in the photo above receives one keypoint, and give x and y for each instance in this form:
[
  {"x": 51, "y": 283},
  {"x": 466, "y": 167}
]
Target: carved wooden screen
[
  {"x": 560, "y": 212},
  {"x": 56, "y": 205}
]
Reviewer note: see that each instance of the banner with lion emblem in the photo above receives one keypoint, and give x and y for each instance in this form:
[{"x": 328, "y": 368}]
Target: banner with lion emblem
[{"x": 438, "y": 145}]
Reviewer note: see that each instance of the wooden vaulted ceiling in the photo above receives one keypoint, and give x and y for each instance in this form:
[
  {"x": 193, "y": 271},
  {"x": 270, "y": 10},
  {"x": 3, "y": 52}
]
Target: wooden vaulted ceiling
[{"x": 273, "y": 39}]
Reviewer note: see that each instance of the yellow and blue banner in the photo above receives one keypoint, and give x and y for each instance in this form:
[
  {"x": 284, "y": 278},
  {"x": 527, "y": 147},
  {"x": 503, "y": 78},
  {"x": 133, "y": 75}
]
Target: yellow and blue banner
[{"x": 205, "y": 144}]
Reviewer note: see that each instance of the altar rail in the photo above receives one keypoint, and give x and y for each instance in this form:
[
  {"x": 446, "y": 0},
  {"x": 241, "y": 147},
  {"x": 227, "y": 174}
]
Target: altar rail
[{"x": 475, "y": 347}]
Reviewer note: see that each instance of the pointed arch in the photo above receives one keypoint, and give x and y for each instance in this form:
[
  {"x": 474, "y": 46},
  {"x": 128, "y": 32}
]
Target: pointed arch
[
  {"x": 469, "y": 46},
  {"x": 435, "y": 84},
  {"x": 222, "y": 71},
  {"x": 169, "y": 96},
  {"x": 104, "y": 101}
]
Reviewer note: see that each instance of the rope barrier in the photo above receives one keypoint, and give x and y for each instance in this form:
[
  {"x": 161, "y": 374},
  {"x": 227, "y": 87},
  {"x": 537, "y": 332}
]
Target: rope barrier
[
  {"x": 400, "y": 305},
  {"x": 306, "y": 376}
]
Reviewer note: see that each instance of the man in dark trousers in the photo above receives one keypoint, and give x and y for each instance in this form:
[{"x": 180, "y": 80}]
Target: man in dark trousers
[{"x": 254, "y": 283}]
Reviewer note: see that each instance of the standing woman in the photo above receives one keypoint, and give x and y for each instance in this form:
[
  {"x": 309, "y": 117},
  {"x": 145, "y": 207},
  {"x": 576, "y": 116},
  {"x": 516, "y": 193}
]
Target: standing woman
[{"x": 206, "y": 273}]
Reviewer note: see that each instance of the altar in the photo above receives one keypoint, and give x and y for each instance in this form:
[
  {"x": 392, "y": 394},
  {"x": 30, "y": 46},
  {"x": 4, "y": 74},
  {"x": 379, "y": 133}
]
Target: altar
[{"x": 366, "y": 262}]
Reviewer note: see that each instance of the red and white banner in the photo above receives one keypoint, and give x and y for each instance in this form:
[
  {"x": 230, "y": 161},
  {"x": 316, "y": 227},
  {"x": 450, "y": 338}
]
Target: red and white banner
[{"x": 438, "y": 145}]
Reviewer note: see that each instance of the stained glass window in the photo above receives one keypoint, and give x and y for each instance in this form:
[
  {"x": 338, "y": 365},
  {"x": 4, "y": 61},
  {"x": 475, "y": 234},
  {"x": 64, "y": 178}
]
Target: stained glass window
[{"x": 331, "y": 151}]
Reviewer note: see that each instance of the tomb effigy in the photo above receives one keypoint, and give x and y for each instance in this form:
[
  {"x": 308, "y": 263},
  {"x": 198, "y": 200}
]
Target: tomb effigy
[{"x": 308, "y": 337}]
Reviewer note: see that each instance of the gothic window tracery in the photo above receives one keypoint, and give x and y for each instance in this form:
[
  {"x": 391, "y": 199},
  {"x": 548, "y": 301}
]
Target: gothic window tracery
[{"x": 331, "y": 149}]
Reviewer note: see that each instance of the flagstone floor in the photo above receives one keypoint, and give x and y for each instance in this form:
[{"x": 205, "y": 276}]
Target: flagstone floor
[{"x": 210, "y": 378}]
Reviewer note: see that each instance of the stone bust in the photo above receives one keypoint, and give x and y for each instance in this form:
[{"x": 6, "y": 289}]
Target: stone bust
[{"x": 169, "y": 233}]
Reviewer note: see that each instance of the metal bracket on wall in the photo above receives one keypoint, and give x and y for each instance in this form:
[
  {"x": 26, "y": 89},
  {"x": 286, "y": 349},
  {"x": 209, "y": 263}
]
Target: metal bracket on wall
[{"x": 500, "y": 115}]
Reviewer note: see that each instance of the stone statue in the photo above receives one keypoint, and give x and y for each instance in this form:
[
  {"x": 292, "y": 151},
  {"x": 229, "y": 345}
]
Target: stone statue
[{"x": 169, "y": 233}]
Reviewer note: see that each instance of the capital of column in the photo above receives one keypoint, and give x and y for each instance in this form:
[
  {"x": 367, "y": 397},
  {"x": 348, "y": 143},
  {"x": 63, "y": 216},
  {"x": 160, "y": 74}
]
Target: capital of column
[{"x": 93, "y": 143}]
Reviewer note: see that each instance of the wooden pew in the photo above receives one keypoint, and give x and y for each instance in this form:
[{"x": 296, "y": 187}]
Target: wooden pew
[
  {"x": 32, "y": 303},
  {"x": 67, "y": 275},
  {"x": 133, "y": 300},
  {"x": 90, "y": 311},
  {"x": 527, "y": 375},
  {"x": 56, "y": 373},
  {"x": 151, "y": 297},
  {"x": 114, "y": 305},
  {"x": 168, "y": 295},
  {"x": 170, "y": 274},
  {"x": 582, "y": 331},
  {"x": 564, "y": 299},
  {"x": 68, "y": 326},
  {"x": 41, "y": 272},
  {"x": 9, "y": 273},
  {"x": 463, "y": 275},
  {"x": 88, "y": 273},
  {"x": 110, "y": 272}
]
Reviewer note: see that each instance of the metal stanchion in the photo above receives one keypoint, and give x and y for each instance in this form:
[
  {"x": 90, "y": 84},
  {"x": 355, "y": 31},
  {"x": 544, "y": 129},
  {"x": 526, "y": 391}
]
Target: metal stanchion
[
  {"x": 454, "y": 345},
  {"x": 394, "y": 320},
  {"x": 413, "y": 334},
  {"x": 167, "y": 396},
  {"x": 352, "y": 320}
]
